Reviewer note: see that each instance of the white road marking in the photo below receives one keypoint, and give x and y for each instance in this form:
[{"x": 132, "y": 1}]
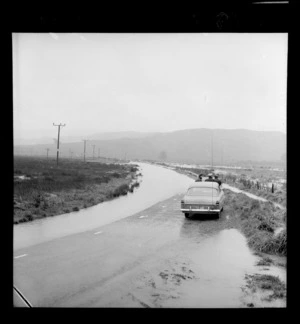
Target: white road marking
[
  {"x": 20, "y": 256},
  {"x": 143, "y": 216},
  {"x": 98, "y": 232}
]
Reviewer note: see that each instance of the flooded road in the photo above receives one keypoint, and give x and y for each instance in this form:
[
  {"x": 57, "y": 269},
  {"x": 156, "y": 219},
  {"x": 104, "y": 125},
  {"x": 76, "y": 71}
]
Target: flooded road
[
  {"x": 157, "y": 184},
  {"x": 154, "y": 258},
  {"x": 139, "y": 256},
  {"x": 220, "y": 262}
]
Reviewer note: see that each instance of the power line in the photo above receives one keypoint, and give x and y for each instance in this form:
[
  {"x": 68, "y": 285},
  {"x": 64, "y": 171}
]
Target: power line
[{"x": 59, "y": 126}]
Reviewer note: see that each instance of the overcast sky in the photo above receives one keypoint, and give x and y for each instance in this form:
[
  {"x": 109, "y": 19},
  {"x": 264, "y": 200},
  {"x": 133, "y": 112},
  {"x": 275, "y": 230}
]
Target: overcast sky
[{"x": 148, "y": 82}]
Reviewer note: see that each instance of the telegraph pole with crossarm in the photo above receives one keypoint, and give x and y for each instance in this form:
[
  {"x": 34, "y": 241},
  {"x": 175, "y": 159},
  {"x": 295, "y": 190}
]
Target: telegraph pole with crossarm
[{"x": 59, "y": 126}]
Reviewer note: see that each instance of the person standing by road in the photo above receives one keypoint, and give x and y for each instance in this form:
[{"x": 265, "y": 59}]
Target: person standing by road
[
  {"x": 210, "y": 178},
  {"x": 218, "y": 180},
  {"x": 199, "y": 177},
  {"x": 215, "y": 179}
]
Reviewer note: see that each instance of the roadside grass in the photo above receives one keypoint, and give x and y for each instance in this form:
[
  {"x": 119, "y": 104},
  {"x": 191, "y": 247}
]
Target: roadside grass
[
  {"x": 279, "y": 196},
  {"x": 73, "y": 185},
  {"x": 259, "y": 220},
  {"x": 241, "y": 179},
  {"x": 265, "y": 282},
  {"x": 265, "y": 261}
]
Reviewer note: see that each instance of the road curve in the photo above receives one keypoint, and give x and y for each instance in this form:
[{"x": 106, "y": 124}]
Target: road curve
[{"x": 154, "y": 258}]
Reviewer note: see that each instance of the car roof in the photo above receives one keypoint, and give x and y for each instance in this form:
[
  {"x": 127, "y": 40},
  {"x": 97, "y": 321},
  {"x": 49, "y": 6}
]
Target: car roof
[{"x": 204, "y": 184}]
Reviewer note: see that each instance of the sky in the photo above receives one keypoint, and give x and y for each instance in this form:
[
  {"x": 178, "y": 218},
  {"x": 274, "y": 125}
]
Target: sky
[{"x": 148, "y": 82}]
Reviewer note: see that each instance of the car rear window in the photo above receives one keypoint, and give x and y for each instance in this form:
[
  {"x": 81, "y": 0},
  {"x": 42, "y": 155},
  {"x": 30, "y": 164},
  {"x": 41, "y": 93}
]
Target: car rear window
[{"x": 202, "y": 192}]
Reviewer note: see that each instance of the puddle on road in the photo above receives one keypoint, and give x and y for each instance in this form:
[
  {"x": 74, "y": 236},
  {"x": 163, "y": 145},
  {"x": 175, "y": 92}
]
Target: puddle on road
[{"x": 219, "y": 264}]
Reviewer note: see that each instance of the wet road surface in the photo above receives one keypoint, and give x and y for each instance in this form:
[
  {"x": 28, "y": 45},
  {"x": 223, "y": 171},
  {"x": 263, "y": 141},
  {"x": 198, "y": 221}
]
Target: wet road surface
[
  {"x": 151, "y": 258},
  {"x": 155, "y": 258},
  {"x": 157, "y": 184}
]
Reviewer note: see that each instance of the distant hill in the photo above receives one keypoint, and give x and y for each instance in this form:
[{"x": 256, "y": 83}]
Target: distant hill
[
  {"x": 71, "y": 139},
  {"x": 187, "y": 146},
  {"x": 117, "y": 135}
]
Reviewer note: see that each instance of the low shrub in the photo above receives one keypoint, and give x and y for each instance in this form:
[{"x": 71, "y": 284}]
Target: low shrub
[
  {"x": 133, "y": 169},
  {"x": 116, "y": 175},
  {"x": 121, "y": 190},
  {"x": 28, "y": 217},
  {"x": 269, "y": 282},
  {"x": 265, "y": 226}
]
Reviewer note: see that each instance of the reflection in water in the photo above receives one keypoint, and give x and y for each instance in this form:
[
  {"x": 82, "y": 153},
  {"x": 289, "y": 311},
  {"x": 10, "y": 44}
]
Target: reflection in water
[
  {"x": 158, "y": 184},
  {"x": 220, "y": 262},
  {"x": 199, "y": 225}
]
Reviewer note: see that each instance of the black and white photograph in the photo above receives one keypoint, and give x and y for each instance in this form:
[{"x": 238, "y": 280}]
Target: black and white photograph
[{"x": 149, "y": 170}]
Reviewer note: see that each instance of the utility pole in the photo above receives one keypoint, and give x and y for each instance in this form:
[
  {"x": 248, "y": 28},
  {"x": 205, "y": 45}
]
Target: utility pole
[
  {"x": 98, "y": 153},
  {"x": 222, "y": 154},
  {"x": 93, "y": 151},
  {"x": 84, "y": 149},
  {"x": 212, "y": 150},
  {"x": 59, "y": 126},
  {"x": 47, "y": 149},
  {"x": 71, "y": 153}
]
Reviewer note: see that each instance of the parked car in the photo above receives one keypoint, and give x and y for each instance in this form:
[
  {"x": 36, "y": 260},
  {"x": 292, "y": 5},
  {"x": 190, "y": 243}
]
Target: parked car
[{"x": 203, "y": 198}]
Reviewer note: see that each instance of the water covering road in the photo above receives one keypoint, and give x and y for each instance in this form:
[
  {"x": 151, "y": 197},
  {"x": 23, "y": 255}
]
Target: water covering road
[
  {"x": 157, "y": 184},
  {"x": 135, "y": 251}
]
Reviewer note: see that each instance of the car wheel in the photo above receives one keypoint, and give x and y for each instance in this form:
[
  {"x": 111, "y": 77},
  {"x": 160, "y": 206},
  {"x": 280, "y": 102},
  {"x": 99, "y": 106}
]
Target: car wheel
[
  {"x": 222, "y": 209},
  {"x": 187, "y": 215}
]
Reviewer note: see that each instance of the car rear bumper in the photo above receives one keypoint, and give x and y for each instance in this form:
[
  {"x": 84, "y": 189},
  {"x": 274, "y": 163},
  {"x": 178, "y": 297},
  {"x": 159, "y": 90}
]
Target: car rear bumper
[{"x": 200, "y": 211}]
